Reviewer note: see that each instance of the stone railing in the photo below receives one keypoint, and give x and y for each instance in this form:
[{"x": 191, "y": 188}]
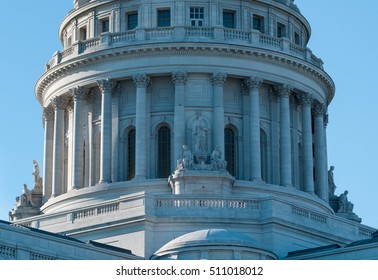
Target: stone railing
[
  {"x": 182, "y": 34},
  {"x": 308, "y": 214},
  {"x": 7, "y": 252},
  {"x": 95, "y": 211},
  {"x": 207, "y": 203},
  {"x": 365, "y": 231}
]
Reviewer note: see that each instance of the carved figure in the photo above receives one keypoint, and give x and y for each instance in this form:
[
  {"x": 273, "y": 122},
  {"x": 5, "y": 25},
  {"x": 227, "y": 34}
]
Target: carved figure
[
  {"x": 216, "y": 159},
  {"x": 331, "y": 182},
  {"x": 37, "y": 177},
  {"x": 345, "y": 206},
  {"x": 200, "y": 133},
  {"x": 186, "y": 161},
  {"x": 25, "y": 198}
]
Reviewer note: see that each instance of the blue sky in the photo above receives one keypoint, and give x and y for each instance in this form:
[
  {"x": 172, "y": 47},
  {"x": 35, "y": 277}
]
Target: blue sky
[{"x": 343, "y": 35}]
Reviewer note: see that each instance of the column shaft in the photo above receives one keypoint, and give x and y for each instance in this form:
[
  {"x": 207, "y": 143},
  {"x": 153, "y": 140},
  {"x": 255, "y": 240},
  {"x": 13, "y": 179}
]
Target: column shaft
[
  {"x": 48, "y": 114},
  {"x": 308, "y": 164},
  {"x": 58, "y": 150},
  {"x": 141, "y": 82},
  {"x": 78, "y": 141},
  {"x": 285, "y": 139},
  {"x": 321, "y": 180},
  {"x": 106, "y": 130},
  {"x": 179, "y": 80},
  {"x": 254, "y": 128},
  {"x": 218, "y": 80}
]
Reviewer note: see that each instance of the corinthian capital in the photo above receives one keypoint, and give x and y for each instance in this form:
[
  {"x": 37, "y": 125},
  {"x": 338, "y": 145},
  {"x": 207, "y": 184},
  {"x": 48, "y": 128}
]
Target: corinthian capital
[
  {"x": 318, "y": 110},
  {"x": 306, "y": 99},
  {"x": 219, "y": 79},
  {"x": 253, "y": 83},
  {"x": 48, "y": 113},
  {"x": 141, "y": 80},
  {"x": 78, "y": 93},
  {"x": 285, "y": 90},
  {"x": 179, "y": 78},
  {"x": 106, "y": 85},
  {"x": 60, "y": 102}
]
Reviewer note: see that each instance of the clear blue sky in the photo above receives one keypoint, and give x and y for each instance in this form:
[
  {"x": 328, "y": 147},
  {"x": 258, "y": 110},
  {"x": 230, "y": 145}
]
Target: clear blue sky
[{"x": 343, "y": 35}]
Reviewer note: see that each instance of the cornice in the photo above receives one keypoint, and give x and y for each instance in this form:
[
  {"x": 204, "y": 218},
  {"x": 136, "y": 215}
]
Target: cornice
[{"x": 124, "y": 53}]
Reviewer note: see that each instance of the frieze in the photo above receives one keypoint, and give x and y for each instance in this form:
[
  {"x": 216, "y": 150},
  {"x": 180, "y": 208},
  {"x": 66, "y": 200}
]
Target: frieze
[{"x": 302, "y": 66}]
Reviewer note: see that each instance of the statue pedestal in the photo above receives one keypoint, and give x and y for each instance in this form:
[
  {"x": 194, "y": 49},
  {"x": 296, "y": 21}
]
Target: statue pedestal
[
  {"x": 22, "y": 212},
  {"x": 201, "y": 182},
  {"x": 350, "y": 216}
]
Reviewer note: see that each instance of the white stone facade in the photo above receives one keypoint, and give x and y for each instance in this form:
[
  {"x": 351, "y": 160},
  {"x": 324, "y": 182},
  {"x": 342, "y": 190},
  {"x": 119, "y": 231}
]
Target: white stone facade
[{"x": 233, "y": 81}]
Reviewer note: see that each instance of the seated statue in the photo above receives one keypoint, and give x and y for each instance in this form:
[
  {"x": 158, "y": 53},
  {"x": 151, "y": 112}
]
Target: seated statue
[
  {"x": 25, "y": 198},
  {"x": 345, "y": 206},
  {"x": 186, "y": 160},
  {"x": 216, "y": 160}
]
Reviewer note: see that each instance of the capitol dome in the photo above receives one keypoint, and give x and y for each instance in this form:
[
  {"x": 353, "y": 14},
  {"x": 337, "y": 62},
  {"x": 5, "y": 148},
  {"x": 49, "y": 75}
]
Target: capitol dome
[{"x": 168, "y": 117}]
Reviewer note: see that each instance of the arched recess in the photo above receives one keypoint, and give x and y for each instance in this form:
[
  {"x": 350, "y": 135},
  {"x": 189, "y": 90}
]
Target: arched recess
[
  {"x": 129, "y": 153},
  {"x": 230, "y": 148},
  {"x": 163, "y": 159}
]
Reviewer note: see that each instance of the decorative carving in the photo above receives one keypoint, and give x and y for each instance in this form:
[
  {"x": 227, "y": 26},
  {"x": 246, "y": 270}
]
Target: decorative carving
[
  {"x": 199, "y": 132},
  {"x": 306, "y": 99},
  {"x": 285, "y": 90},
  {"x": 37, "y": 178},
  {"x": 345, "y": 206},
  {"x": 60, "y": 102},
  {"x": 186, "y": 160},
  {"x": 24, "y": 200},
  {"x": 331, "y": 181},
  {"x": 217, "y": 162},
  {"x": 141, "y": 80},
  {"x": 106, "y": 85},
  {"x": 219, "y": 79},
  {"x": 78, "y": 93},
  {"x": 253, "y": 83},
  {"x": 318, "y": 110},
  {"x": 179, "y": 78},
  {"x": 48, "y": 113}
]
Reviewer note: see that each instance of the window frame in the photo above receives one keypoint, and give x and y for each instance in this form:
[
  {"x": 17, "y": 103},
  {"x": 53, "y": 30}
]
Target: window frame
[
  {"x": 199, "y": 22},
  {"x": 163, "y": 22},
  {"x": 164, "y": 151},
  {"x": 229, "y": 12},
  {"x": 262, "y": 23},
  {"x": 132, "y": 13}
]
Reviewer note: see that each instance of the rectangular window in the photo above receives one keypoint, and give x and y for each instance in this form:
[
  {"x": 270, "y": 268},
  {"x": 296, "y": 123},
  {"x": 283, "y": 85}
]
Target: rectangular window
[
  {"x": 297, "y": 39},
  {"x": 229, "y": 19},
  {"x": 281, "y": 30},
  {"x": 132, "y": 20},
  {"x": 104, "y": 25},
  {"x": 258, "y": 23},
  {"x": 196, "y": 16},
  {"x": 83, "y": 33},
  {"x": 164, "y": 18}
]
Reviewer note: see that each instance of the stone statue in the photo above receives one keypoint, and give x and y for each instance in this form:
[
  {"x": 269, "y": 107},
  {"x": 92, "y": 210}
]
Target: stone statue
[
  {"x": 345, "y": 206},
  {"x": 25, "y": 198},
  {"x": 216, "y": 159},
  {"x": 331, "y": 182},
  {"x": 37, "y": 177},
  {"x": 200, "y": 133},
  {"x": 186, "y": 160}
]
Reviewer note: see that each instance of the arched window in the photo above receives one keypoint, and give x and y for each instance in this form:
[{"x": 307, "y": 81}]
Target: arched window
[
  {"x": 163, "y": 152},
  {"x": 130, "y": 154},
  {"x": 230, "y": 149},
  {"x": 264, "y": 155}
]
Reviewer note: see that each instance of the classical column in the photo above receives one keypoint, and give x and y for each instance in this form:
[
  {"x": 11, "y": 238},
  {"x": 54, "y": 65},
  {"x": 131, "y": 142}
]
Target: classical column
[
  {"x": 307, "y": 152},
  {"x": 78, "y": 95},
  {"x": 321, "y": 180},
  {"x": 115, "y": 132},
  {"x": 254, "y": 127},
  {"x": 218, "y": 80},
  {"x": 141, "y": 82},
  {"x": 285, "y": 139},
  {"x": 106, "y": 86},
  {"x": 48, "y": 118},
  {"x": 179, "y": 80},
  {"x": 59, "y": 103}
]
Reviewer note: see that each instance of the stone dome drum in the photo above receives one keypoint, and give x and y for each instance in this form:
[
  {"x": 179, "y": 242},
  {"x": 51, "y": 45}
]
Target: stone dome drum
[{"x": 163, "y": 118}]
